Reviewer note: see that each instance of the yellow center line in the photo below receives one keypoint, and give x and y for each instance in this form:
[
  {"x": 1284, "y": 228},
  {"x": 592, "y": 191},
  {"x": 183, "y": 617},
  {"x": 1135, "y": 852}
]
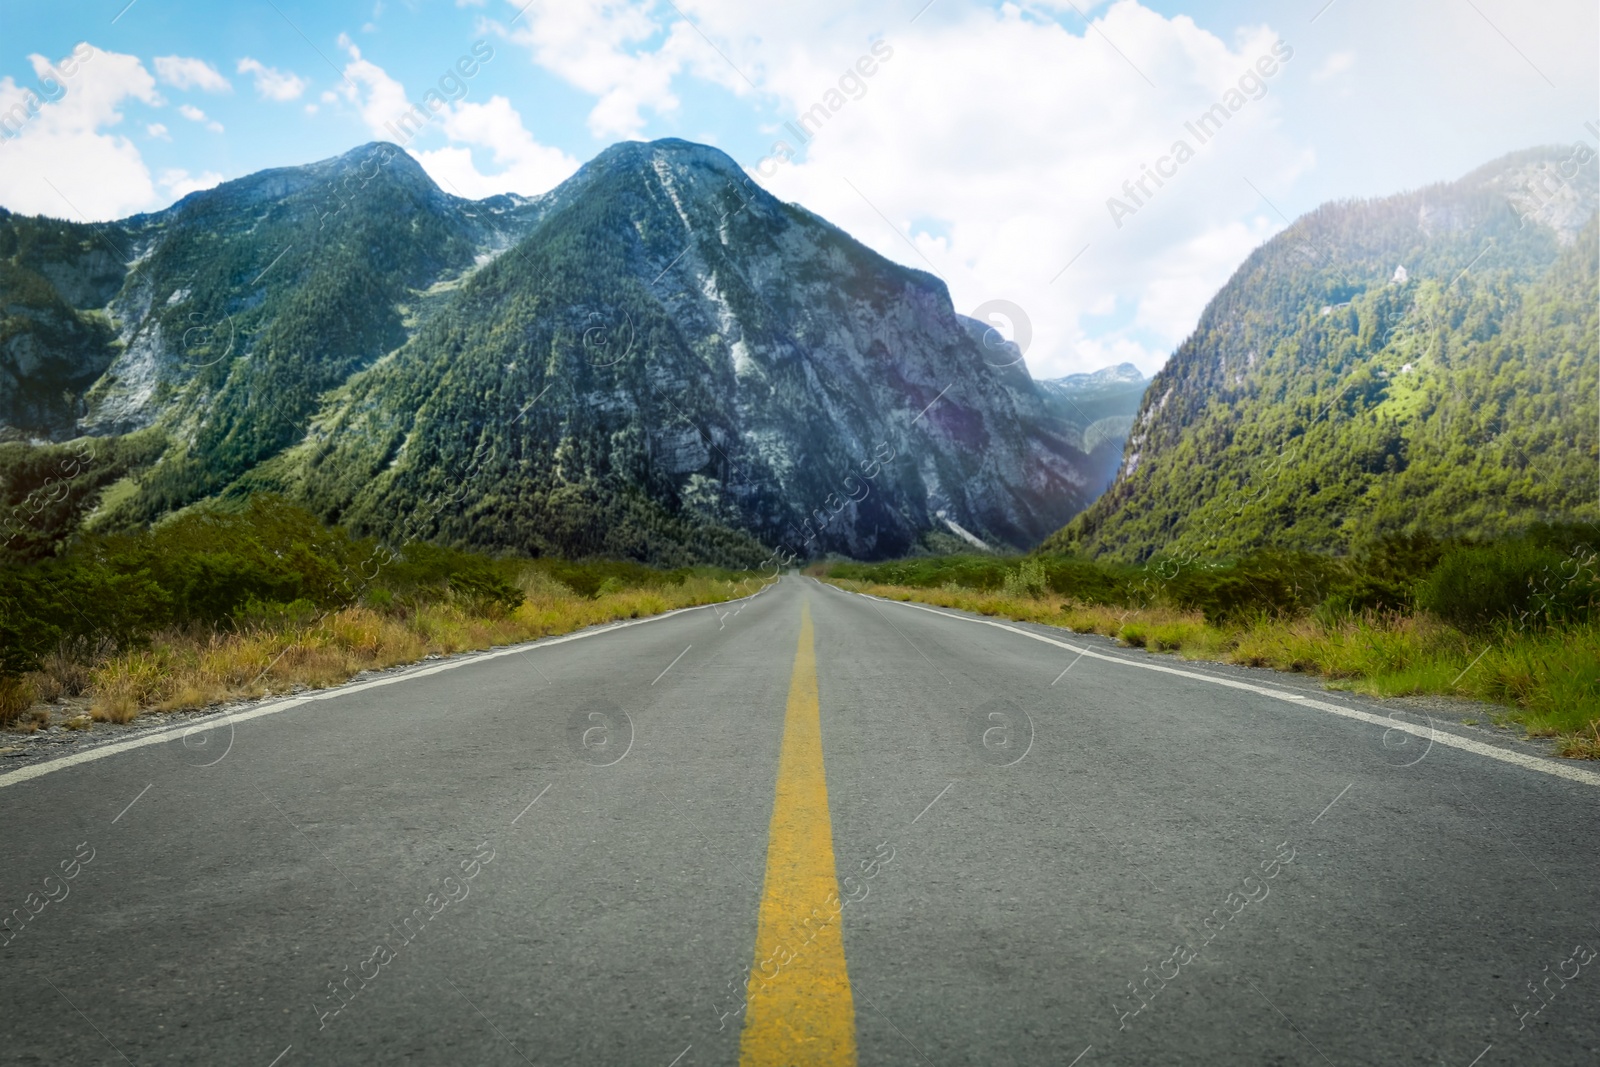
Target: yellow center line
[{"x": 800, "y": 1007}]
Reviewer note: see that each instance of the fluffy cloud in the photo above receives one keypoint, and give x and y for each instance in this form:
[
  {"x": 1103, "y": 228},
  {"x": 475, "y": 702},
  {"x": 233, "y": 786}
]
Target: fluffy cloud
[
  {"x": 1335, "y": 64},
  {"x": 993, "y": 138},
  {"x": 615, "y": 50},
  {"x": 64, "y": 163},
  {"x": 983, "y": 149},
  {"x": 380, "y": 99},
  {"x": 194, "y": 114},
  {"x": 180, "y": 183},
  {"x": 998, "y": 200},
  {"x": 158, "y": 131},
  {"x": 494, "y": 128},
  {"x": 524, "y": 165},
  {"x": 182, "y": 72},
  {"x": 273, "y": 84}
]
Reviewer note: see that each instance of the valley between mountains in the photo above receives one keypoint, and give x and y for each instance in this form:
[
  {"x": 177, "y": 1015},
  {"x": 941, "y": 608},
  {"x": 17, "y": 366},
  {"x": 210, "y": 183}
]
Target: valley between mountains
[{"x": 471, "y": 531}]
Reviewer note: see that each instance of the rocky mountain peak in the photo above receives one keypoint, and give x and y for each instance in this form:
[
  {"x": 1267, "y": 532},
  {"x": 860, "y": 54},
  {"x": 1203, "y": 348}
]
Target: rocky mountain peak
[{"x": 657, "y": 359}]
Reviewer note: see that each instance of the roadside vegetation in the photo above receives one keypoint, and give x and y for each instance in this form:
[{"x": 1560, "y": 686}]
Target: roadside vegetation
[
  {"x": 219, "y": 604},
  {"x": 1513, "y": 622}
]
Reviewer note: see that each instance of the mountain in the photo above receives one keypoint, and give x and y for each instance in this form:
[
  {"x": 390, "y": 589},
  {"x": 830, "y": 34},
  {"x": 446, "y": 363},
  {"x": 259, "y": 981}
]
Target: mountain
[
  {"x": 55, "y": 340},
  {"x": 1096, "y": 411},
  {"x": 656, "y": 360},
  {"x": 1423, "y": 363}
]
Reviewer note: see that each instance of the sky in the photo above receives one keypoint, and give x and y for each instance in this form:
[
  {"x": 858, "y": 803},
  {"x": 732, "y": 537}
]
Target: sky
[{"x": 1028, "y": 154}]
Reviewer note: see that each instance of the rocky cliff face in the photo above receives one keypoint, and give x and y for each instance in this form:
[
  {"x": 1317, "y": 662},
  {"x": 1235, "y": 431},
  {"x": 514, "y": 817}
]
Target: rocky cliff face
[
  {"x": 54, "y": 341},
  {"x": 657, "y": 360}
]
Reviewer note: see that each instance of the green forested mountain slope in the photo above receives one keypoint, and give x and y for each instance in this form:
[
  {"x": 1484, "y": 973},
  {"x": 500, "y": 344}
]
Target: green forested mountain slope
[
  {"x": 655, "y": 360},
  {"x": 674, "y": 362},
  {"x": 1424, "y": 363}
]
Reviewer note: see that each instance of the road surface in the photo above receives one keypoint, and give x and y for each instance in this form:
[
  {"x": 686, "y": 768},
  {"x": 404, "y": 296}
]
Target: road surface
[{"x": 807, "y": 827}]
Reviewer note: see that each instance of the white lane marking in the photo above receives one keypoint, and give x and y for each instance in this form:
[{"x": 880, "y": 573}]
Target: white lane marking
[
  {"x": 1466, "y": 744},
  {"x": 155, "y": 737}
]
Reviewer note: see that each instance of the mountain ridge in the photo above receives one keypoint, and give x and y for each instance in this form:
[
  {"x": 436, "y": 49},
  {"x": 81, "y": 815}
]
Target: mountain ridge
[
  {"x": 1344, "y": 384},
  {"x": 653, "y": 359}
]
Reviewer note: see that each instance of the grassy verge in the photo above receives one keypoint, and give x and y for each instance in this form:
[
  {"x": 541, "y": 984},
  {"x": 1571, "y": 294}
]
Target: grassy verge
[
  {"x": 241, "y": 599},
  {"x": 180, "y": 669},
  {"x": 1548, "y": 680}
]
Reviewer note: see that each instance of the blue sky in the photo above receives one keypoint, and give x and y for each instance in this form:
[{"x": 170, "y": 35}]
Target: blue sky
[{"x": 989, "y": 142}]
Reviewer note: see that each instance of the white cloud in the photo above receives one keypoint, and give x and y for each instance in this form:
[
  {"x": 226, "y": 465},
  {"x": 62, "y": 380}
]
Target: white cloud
[
  {"x": 597, "y": 46},
  {"x": 380, "y": 98},
  {"x": 1337, "y": 63},
  {"x": 525, "y": 165},
  {"x": 63, "y": 163},
  {"x": 158, "y": 131},
  {"x": 180, "y": 183},
  {"x": 271, "y": 83},
  {"x": 1000, "y": 129},
  {"x": 999, "y": 132},
  {"x": 1012, "y": 164},
  {"x": 182, "y": 72},
  {"x": 194, "y": 114}
]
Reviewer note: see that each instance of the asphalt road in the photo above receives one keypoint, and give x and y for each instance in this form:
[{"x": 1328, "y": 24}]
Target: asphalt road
[{"x": 580, "y": 851}]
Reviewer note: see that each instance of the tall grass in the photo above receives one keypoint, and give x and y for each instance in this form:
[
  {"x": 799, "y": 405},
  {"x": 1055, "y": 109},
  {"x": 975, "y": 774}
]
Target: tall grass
[
  {"x": 185, "y": 669},
  {"x": 1548, "y": 679},
  {"x": 244, "y": 598}
]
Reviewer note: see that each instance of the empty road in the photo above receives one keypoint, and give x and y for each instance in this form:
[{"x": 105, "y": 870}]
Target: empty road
[{"x": 806, "y": 827}]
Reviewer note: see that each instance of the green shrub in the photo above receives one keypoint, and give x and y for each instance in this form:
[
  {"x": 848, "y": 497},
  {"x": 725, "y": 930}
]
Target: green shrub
[
  {"x": 275, "y": 616},
  {"x": 1263, "y": 583},
  {"x": 1512, "y": 582},
  {"x": 1027, "y": 580},
  {"x": 1089, "y": 581}
]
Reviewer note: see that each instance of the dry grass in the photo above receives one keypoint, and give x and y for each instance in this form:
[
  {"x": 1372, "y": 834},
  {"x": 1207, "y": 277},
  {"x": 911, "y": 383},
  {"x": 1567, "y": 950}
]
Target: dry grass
[
  {"x": 60, "y": 676},
  {"x": 191, "y": 670},
  {"x": 1550, "y": 680},
  {"x": 124, "y": 684},
  {"x": 1581, "y": 746},
  {"x": 16, "y": 697}
]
